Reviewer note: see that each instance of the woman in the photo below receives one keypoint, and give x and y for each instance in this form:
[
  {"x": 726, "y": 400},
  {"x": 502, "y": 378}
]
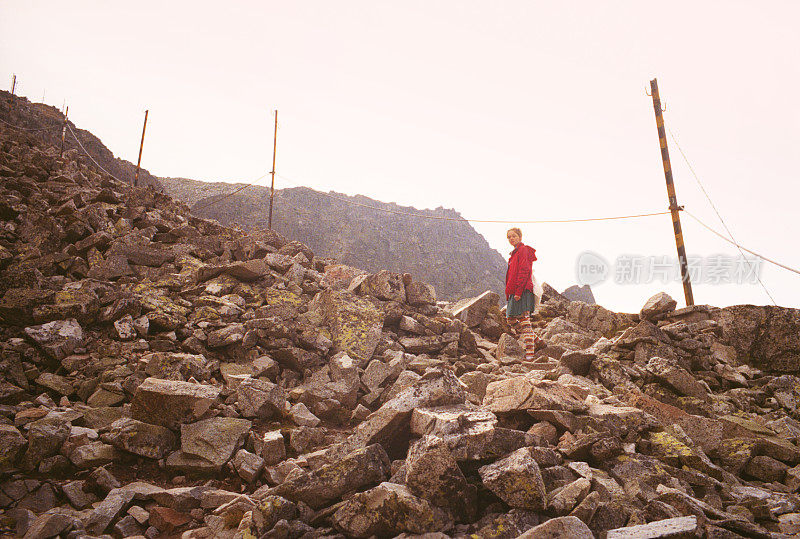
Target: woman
[{"x": 519, "y": 292}]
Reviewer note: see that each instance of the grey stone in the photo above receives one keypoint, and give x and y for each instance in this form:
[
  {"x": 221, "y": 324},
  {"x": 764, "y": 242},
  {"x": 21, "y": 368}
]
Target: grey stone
[
  {"x": 662, "y": 529},
  {"x": 58, "y": 338},
  {"x": 657, "y": 305},
  {"x": 171, "y": 402},
  {"x": 516, "y": 480},
  {"x": 143, "y": 439},
  {"x": 214, "y": 440},
  {"x": 389, "y": 509},
  {"x": 557, "y": 528}
]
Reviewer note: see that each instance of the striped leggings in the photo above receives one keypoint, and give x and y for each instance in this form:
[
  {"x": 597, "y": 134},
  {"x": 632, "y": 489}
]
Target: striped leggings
[{"x": 522, "y": 325}]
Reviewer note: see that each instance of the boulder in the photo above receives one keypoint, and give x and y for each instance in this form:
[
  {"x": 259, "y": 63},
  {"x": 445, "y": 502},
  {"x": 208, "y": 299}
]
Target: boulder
[
  {"x": 667, "y": 528},
  {"x": 472, "y": 311},
  {"x": 214, "y": 440},
  {"x": 516, "y": 480},
  {"x": 11, "y": 444},
  {"x": 384, "y": 285},
  {"x": 143, "y": 439},
  {"x": 259, "y": 398},
  {"x": 354, "y": 322},
  {"x": 433, "y": 474},
  {"x": 526, "y": 393},
  {"x": 389, "y": 509},
  {"x": 171, "y": 402},
  {"x": 556, "y": 528},
  {"x": 656, "y": 306},
  {"x": 58, "y": 338},
  {"x": 419, "y": 293},
  {"x": 318, "y": 488},
  {"x": 768, "y": 336}
]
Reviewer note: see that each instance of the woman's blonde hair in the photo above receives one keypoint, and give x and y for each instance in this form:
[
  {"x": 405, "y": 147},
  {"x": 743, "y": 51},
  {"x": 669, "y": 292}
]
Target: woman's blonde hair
[{"x": 516, "y": 231}]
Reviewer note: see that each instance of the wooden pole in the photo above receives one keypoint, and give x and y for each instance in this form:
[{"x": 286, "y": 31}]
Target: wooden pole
[
  {"x": 141, "y": 145},
  {"x": 63, "y": 132},
  {"x": 673, "y": 200},
  {"x": 13, "y": 87},
  {"x": 272, "y": 186}
]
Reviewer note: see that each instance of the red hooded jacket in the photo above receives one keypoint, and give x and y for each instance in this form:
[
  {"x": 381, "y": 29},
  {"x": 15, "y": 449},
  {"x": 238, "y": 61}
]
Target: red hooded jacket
[{"x": 518, "y": 275}]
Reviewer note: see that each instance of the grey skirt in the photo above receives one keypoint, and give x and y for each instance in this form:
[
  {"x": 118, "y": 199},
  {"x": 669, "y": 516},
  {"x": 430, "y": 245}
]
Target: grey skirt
[{"x": 526, "y": 303}]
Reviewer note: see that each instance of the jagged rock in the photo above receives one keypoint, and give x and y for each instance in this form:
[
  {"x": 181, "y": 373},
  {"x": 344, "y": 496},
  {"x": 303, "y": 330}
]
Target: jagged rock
[
  {"x": 260, "y": 398},
  {"x": 579, "y": 293},
  {"x": 302, "y": 416},
  {"x": 357, "y": 470},
  {"x": 354, "y": 322},
  {"x": 766, "y": 469},
  {"x": 58, "y": 338},
  {"x": 48, "y": 525},
  {"x": 516, "y": 480},
  {"x": 11, "y": 444},
  {"x": 271, "y": 447},
  {"x": 472, "y": 311},
  {"x": 390, "y": 421},
  {"x": 45, "y": 438},
  {"x": 389, "y": 508},
  {"x": 578, "y": 361},
  {"x": 525, "y": 393},
  {"x": 557, "y": 528},
  {"x": 56, "y": 383},
  {"x": 767, "y": 336},
  {"x": 677, "y": 378},
  {"x": 248, "y": 465},
  {"x": 509, "y": 348},
  {"x": 419, "y": 293},
  {"x": 108, "y": 510},
  {"x": 226, "y": 336},
  {"x": 564, "y": 499},
  {"x": 433, "y": 474},
  {"x": 144, "y": 439},
  {"x": 384, "y": 285},
  {"x": 171, "y": 402},
  {"x": 92, "y": 455},
  {"x": 657, "y": 305},
  {"x": 672, "y": 527},
  {"x": 214, "y": 440}
]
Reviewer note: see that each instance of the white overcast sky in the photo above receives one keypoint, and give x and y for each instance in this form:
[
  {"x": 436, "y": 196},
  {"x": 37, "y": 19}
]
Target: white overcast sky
[{"x": 502, "y": 110}]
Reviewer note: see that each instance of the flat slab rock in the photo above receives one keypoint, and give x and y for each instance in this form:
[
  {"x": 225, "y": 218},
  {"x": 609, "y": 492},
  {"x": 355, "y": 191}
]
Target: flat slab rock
[
  {"x": 171, "y": 402},
  {"x": 661, "y": 529}
]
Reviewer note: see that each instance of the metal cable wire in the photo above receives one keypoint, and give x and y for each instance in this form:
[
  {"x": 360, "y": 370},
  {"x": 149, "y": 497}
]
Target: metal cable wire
[
  {"x": 442, "y": 218},
  {"x": 89, "y": 155},
  {"x": 719, "y": 216},
  {"x": 28, "y": 129},
  {"x": 784, "y": 266},
  {"x": 227, "y": 196}
]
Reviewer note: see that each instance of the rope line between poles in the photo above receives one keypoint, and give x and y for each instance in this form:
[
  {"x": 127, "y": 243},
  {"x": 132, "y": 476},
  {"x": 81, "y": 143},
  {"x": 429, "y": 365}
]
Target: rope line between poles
[
  {"x": 784, "y": 266},
  {"x": 229, "y": 195},
  {"x": 500, "y": 221},
  {"x": 89, "y": 155},
  {"x": 719, "y": 216}
]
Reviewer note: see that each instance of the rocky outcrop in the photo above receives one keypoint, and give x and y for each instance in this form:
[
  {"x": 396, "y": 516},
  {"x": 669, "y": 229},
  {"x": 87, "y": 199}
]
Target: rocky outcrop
[{"x": 223, "y": 384}]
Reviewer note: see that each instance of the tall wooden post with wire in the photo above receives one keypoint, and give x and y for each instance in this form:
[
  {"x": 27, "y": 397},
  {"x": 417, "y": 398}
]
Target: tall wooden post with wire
[
  {"x": 63, "y": 132},
  {"x": 673, "y": 201},
  {"x": 272, "y": 186},
  {"x": 13, "y": 87},
  {"x": 141, "y": 145}
]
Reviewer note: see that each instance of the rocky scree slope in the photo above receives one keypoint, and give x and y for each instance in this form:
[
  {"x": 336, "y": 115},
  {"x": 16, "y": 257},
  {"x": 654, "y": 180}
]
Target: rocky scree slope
[
  {"x": 44, "y": 123},
  {"x": 164, "y": 376},
  {"x": 449, "y": 254}
]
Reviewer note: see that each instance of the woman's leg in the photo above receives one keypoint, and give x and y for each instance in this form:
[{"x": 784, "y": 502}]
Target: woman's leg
[{"x": 522, "y": 325}]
